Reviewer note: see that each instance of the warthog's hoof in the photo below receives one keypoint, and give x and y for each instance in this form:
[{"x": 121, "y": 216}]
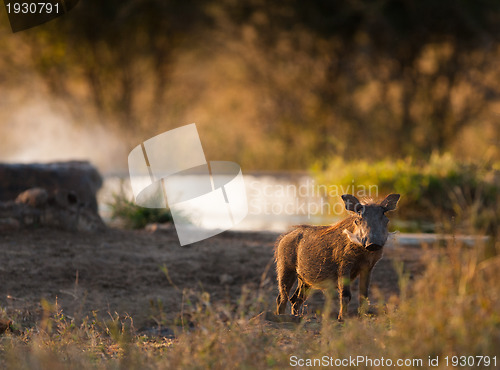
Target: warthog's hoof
[{"x": 270, "y": 316}]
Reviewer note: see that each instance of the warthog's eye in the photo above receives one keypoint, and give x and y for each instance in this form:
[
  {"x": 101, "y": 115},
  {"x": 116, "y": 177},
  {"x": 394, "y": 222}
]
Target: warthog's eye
[{"x": 357, "y": 221}]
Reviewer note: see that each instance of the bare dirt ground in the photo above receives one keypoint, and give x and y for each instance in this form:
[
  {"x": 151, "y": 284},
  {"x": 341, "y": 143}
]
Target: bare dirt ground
[{"x": 122, "y": 271}]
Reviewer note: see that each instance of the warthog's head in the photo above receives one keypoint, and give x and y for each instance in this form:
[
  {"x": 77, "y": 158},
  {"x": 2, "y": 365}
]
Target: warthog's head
[{"x": 370, "y": 225}]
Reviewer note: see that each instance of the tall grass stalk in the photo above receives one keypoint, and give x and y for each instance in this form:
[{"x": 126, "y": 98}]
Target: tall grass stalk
[{"x": 452, "y": 308}]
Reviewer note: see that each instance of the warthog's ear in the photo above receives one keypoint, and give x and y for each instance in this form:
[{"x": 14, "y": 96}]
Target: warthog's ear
[
  {"x": 352, "y": 203},
  {"x": 390, "y": 202}
]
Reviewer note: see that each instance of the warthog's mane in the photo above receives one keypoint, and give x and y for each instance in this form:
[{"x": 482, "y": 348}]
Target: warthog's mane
[
  {"x": 369, "y": 201},
  {"x": 342, "y": 224}
]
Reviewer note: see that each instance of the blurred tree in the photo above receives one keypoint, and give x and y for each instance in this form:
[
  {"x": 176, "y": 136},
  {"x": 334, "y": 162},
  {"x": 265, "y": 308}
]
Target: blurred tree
[
  {"x": 116, "y": 54},
  {"x": 301, "y": 80},
  {"x": 395, "y": 76}
]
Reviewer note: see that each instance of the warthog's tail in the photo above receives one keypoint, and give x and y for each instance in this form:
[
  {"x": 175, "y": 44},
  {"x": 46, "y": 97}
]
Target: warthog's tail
[{"x": 276, "y": 244}]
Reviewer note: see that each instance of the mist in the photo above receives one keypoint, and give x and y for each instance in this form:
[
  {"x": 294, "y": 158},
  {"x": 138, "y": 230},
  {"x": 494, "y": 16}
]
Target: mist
[{"x": 39, "y": 131}]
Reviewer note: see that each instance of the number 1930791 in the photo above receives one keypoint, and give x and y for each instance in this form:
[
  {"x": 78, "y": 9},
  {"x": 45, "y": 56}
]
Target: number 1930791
[
  {"x": 470, "y": 361},
  {"x": 32, "y": 8}
]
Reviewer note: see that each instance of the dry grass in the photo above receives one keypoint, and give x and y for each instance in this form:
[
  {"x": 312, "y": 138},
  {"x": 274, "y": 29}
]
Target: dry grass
[{"x": 453, "y": 308}]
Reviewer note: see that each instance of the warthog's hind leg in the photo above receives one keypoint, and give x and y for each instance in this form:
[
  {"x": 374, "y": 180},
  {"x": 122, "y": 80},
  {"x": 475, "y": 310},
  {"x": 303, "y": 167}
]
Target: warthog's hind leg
[
  {"x": 299, "y": 296},
  {"x": 286, "y": 279}
]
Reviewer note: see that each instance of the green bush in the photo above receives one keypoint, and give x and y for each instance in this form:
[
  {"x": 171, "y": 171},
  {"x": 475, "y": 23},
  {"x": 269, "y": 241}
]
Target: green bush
[
  {"x": 441, "y": 189},
  {"x": 135, "y": 216}
]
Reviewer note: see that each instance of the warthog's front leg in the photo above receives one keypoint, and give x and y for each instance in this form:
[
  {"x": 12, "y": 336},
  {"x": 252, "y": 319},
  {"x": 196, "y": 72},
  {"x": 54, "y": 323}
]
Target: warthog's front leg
[
  {"x": 344, "y": 286},
  {"x": 364, "y": 284}
]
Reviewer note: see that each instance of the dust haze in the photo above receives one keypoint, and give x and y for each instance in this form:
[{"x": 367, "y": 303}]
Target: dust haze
[{"x": 37, "y": 130}]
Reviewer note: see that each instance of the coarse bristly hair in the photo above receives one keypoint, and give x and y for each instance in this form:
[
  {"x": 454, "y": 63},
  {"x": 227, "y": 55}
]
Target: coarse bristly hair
[{"x": 327, "y": 229}]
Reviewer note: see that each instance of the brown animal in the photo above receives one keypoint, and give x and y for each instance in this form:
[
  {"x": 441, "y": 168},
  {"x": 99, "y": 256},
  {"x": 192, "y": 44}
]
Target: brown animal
[
  {"x": 34, "y": 197},
  {"x": 321, "y": 257},
  {"x": 60, "y": 208}
]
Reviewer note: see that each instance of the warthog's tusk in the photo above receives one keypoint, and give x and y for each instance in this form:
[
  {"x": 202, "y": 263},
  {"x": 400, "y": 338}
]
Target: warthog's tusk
[{"x": 353, "y": 237}]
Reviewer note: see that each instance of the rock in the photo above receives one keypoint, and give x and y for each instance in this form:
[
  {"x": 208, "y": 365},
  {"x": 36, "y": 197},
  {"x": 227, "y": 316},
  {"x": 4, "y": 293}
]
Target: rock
[
  {"x": 226, "y": 279},
  {"x": 9, "y": 224},
  {"x": 60, "y": 210},
  {"x": 64, "y": 211},
  {"x": 60, "y": 195},
  {"x": 79, "y": 177},
  {"x": 157, "y": 227},
  {"x": 159, "y": 332}
]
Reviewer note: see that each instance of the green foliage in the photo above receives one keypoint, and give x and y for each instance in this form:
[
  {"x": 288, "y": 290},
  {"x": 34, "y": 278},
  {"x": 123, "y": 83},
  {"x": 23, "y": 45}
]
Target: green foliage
[
  {"x": 135, "y": 216},
  {"x": 434, "y": 190}
]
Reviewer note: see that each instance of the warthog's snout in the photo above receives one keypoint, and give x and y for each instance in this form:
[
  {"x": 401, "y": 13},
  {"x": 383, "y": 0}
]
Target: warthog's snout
[{"x": 374, "y": 247}]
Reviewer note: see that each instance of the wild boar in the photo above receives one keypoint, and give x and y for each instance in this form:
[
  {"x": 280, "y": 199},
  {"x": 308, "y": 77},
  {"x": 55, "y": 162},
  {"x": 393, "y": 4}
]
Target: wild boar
[{"x": 321, "y": 257}]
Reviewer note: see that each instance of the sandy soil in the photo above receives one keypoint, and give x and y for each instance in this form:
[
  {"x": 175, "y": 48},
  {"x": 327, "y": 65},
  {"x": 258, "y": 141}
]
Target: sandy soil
[{"x": 121, "y": 271}]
